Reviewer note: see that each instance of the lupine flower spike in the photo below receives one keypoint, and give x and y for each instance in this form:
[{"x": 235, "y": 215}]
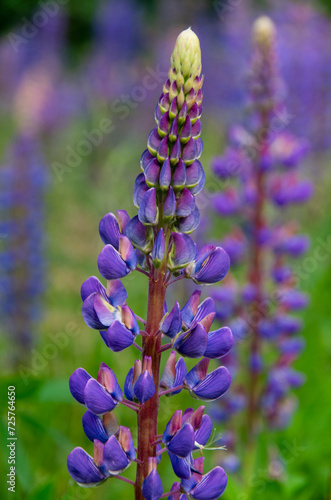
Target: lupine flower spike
[
  {"x": 156, "y": 242},
  {"x": 264, "y": 161}
]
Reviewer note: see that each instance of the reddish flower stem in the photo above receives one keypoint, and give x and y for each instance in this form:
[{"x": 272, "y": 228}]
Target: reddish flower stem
[
  {"x": 125, "y": 479},
  {"x": 165, "y": 495},
  {"x": 148, "y": 413},
  {"x": 172, "y": 389},
  {"x": 256, "y": 279},
  {"x": 165, "y": 347},
  {"x": 140, "y": 319},
  {"x": 142, "y": 271},
  {"x": 176, "y": 279}
]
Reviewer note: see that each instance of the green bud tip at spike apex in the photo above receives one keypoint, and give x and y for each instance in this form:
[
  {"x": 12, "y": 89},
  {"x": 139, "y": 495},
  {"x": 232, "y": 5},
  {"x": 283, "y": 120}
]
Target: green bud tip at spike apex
[
  {"x": 264, "y": 31},
  {"x": 186, "y": 57}
]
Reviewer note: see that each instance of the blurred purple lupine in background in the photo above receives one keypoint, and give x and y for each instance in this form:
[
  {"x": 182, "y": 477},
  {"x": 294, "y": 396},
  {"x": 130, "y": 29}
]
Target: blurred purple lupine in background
[
  {"x": 23, "y": 183},
  {"x": 40, "y": 103},
  {"x": 304, "y": 59},
  {"x": 260, "y": 169}
]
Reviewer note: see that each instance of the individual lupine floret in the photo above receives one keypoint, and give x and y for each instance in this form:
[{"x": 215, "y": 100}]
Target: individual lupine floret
[
  {"x": 99, "y": 395},
  {"x": 139, "y": 384},
  {"x": 208, "y": 487},
  {"x": 200, "y": 487},
  {"x": 104, "y": 309},
  {"x": 118, "y": 453},
  {"x": 173, "y": 374},
  {"x": 117, "y": 258},
  {"x": 156, "y": 244},
  {"x": 207, "y": 387},
  {"x": 210, "y": 265},
  {"x": 110, "y": 458},
  {"x": 152, "y": 488},
  {"x": 189, "y": 329},
  {"x": 178, "y": 436},
  {"x": 201, "y": 424},
  {"x": 100, "y": 427},
  {"x": 84, "y": 469}
]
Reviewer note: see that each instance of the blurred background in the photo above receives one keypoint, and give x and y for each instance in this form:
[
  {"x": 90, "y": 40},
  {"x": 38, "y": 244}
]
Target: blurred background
[{"x": 79, "y": 81}]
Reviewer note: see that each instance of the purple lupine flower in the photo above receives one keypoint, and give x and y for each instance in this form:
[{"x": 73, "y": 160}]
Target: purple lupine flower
[
  {"x": 156, "y": 243},
  {"x": 207, "y": 387},
  {"x": 139, "y": 383},
  {"x": 99, "y": 395},
  {"x": 267, "y": 173},
  {"x": 119, "y": 452},
  {"x": 189, "y": 329},
  {"x": 110, "y": 458},
  {"x": 173, "y": 374},
  {"x": 152, "y": 487},
  {"x": 186, "y": 432},
  {"x": 210, "y": 265},
  {"x": 200, "y": 487},
  {"x": 99, "y": 427},
  {"x": 178, "y": 438},
  {"x": 84, "y": 469}
]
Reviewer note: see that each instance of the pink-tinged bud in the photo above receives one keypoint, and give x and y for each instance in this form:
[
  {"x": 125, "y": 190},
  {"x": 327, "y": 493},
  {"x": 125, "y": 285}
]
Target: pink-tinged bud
[
  {"x": 175, "y": 422},
  {"x": 122, "y": 219},
  {"x": 98, "y": 452},
  {"x": 110, "y": 423},
  {"x": 127, "y": 252},
  {"x": 171, "y": 323},
  {"x": 152, "y": 486},
  {"x": 207, "y": 321},
  {"x": 147, "y": 365},
  {"x": 137, "y": 370},
  {"x": 152, "y": 464},
  {"x": 173, "y": 374},
  {"x": 191, "y": 307},
  {"x": 196, "y": 417},
  {"x": 129, "y": 320},
  {"x": 126, "y": 441}
]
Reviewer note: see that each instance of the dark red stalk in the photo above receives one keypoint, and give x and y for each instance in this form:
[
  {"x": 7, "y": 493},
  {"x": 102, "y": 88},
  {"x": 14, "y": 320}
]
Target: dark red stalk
[
  {"x": 147, "y": 415},
  {"x": 256, "y": 279}
]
